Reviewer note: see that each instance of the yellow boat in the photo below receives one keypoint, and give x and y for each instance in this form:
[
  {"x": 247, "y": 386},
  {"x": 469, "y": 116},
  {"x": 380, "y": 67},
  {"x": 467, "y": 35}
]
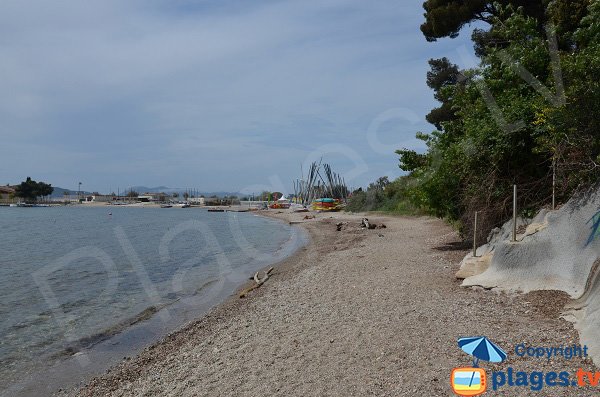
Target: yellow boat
[{"x": 327, "y": 204}]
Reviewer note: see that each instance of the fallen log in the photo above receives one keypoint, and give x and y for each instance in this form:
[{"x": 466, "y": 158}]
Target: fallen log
[{"x": 257, "y": 282}]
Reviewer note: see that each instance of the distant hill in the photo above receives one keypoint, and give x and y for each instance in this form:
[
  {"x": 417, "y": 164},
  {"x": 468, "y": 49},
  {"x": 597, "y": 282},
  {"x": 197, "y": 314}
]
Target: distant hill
[
  {"x": 169, "y": 190},
  {"x": 59, "y": 192}
]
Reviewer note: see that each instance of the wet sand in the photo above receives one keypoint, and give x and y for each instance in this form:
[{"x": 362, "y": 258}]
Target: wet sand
[{"x": 356, "y": 312}]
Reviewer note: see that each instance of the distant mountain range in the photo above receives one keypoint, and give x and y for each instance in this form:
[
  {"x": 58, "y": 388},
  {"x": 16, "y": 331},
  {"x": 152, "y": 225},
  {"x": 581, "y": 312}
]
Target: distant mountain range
[
  {"x": 171, "y": 190},
  {"x": 59, "y": 191}
]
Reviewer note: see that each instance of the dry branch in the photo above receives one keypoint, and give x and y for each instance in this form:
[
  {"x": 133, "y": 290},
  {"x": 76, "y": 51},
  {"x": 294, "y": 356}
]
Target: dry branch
[{"x": 257, "y": 282}]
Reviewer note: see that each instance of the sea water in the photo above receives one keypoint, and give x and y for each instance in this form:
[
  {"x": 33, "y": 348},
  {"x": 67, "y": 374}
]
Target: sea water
[{"x": 101, "y": 282}]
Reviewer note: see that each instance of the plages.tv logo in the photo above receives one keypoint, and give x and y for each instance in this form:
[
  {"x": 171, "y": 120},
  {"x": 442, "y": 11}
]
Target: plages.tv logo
[{"x": 472, "y": 381}]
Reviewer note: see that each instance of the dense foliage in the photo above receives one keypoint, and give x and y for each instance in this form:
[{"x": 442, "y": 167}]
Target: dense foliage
[
  {"x": 29, "y": 190},
  {"x": 445, "y": 18},
  {"x": 529, "y": 110},
  {"x": 383, "y": 195}
]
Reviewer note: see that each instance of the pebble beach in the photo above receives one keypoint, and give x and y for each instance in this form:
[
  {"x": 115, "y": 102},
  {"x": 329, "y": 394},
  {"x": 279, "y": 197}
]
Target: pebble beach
[{"x": 356, "y": 312}]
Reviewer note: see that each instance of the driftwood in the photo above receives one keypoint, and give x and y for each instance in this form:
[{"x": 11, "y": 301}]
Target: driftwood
[
  {"x": 257, "y": 282},
  {"x": 365, "y": 223}
]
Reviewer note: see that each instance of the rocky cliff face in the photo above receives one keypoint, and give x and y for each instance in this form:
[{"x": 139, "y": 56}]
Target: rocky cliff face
[{"x": 557, "y": 250}]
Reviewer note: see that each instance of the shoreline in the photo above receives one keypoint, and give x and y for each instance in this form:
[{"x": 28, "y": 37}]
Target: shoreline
[
  {"x": 231, "y": 302},
  {"x": 342, "y": 316},
  {"x": 106, "y": 348}
]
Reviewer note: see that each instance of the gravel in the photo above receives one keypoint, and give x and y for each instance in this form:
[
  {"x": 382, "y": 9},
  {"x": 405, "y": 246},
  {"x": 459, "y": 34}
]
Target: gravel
[{"x": 355, "y": 313}]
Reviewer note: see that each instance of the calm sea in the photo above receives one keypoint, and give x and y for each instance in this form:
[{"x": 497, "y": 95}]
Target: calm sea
[{"x": 82, "y": 287}]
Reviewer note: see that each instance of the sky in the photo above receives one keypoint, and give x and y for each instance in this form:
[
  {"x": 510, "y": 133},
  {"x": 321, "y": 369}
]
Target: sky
[{"x": 227, "y": 95}]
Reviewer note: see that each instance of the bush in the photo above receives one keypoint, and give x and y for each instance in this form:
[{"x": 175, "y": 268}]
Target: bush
[{"x": 384, "y": 196}]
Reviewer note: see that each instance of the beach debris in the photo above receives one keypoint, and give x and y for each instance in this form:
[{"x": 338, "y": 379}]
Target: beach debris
[
  {"x": 380, "y": 235},
  {"x": 257, "y": 282},
  {"x": 339, "y": 226},
  {"x": 309, "y": 217},
  {"x": 366, "y": 224}
]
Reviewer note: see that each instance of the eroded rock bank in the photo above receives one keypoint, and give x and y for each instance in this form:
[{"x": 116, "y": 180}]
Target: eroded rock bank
[{"x": 557, "y": 250}]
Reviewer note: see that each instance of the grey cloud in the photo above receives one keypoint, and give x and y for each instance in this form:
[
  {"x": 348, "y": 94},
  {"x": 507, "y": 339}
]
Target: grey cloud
[{"x": 159, "y": 91}]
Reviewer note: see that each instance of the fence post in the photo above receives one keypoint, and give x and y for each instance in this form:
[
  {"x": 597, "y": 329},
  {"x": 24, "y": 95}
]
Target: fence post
[
  {"x": 514, "y": 234},
  {"x": 554, "y": 183},
  {"x": 475, "y": 237}
]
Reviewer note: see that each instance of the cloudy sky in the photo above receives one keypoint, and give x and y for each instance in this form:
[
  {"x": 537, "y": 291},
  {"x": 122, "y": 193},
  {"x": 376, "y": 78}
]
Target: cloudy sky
[{"x": 213, "y": 94}]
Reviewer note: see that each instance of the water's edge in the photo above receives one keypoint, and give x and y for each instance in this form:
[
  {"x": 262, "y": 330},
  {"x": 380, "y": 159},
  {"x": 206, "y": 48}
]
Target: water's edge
[{"x": 93, "y": 356}]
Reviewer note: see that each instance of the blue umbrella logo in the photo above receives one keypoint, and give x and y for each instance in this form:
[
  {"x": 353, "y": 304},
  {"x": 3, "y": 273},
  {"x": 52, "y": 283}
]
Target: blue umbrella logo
[{"x": 481, "y": 348}]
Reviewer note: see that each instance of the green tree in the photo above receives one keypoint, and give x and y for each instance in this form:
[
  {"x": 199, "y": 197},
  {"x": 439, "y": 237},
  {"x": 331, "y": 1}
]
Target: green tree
[
  {"x": 445, "y": 18},
  {"x": 442, "y": 76},
  {"x": 494, "y": 128},
  {"x": 30, "y": 190},
  {"x": 265, "y": 196},
  {"x": 566, "y": 16}
]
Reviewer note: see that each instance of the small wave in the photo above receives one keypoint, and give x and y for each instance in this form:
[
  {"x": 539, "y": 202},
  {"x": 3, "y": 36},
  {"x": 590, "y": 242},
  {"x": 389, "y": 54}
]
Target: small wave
[
  {"x": 205, "y": 285},
  {"x": 91, "y": 340},
  {"x": 70, "y": 306},
  {"x": 29, "y": 322}
]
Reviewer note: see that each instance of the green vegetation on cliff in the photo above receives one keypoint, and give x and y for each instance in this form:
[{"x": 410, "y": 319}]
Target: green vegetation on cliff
[{"x": 531, "y": 109}]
